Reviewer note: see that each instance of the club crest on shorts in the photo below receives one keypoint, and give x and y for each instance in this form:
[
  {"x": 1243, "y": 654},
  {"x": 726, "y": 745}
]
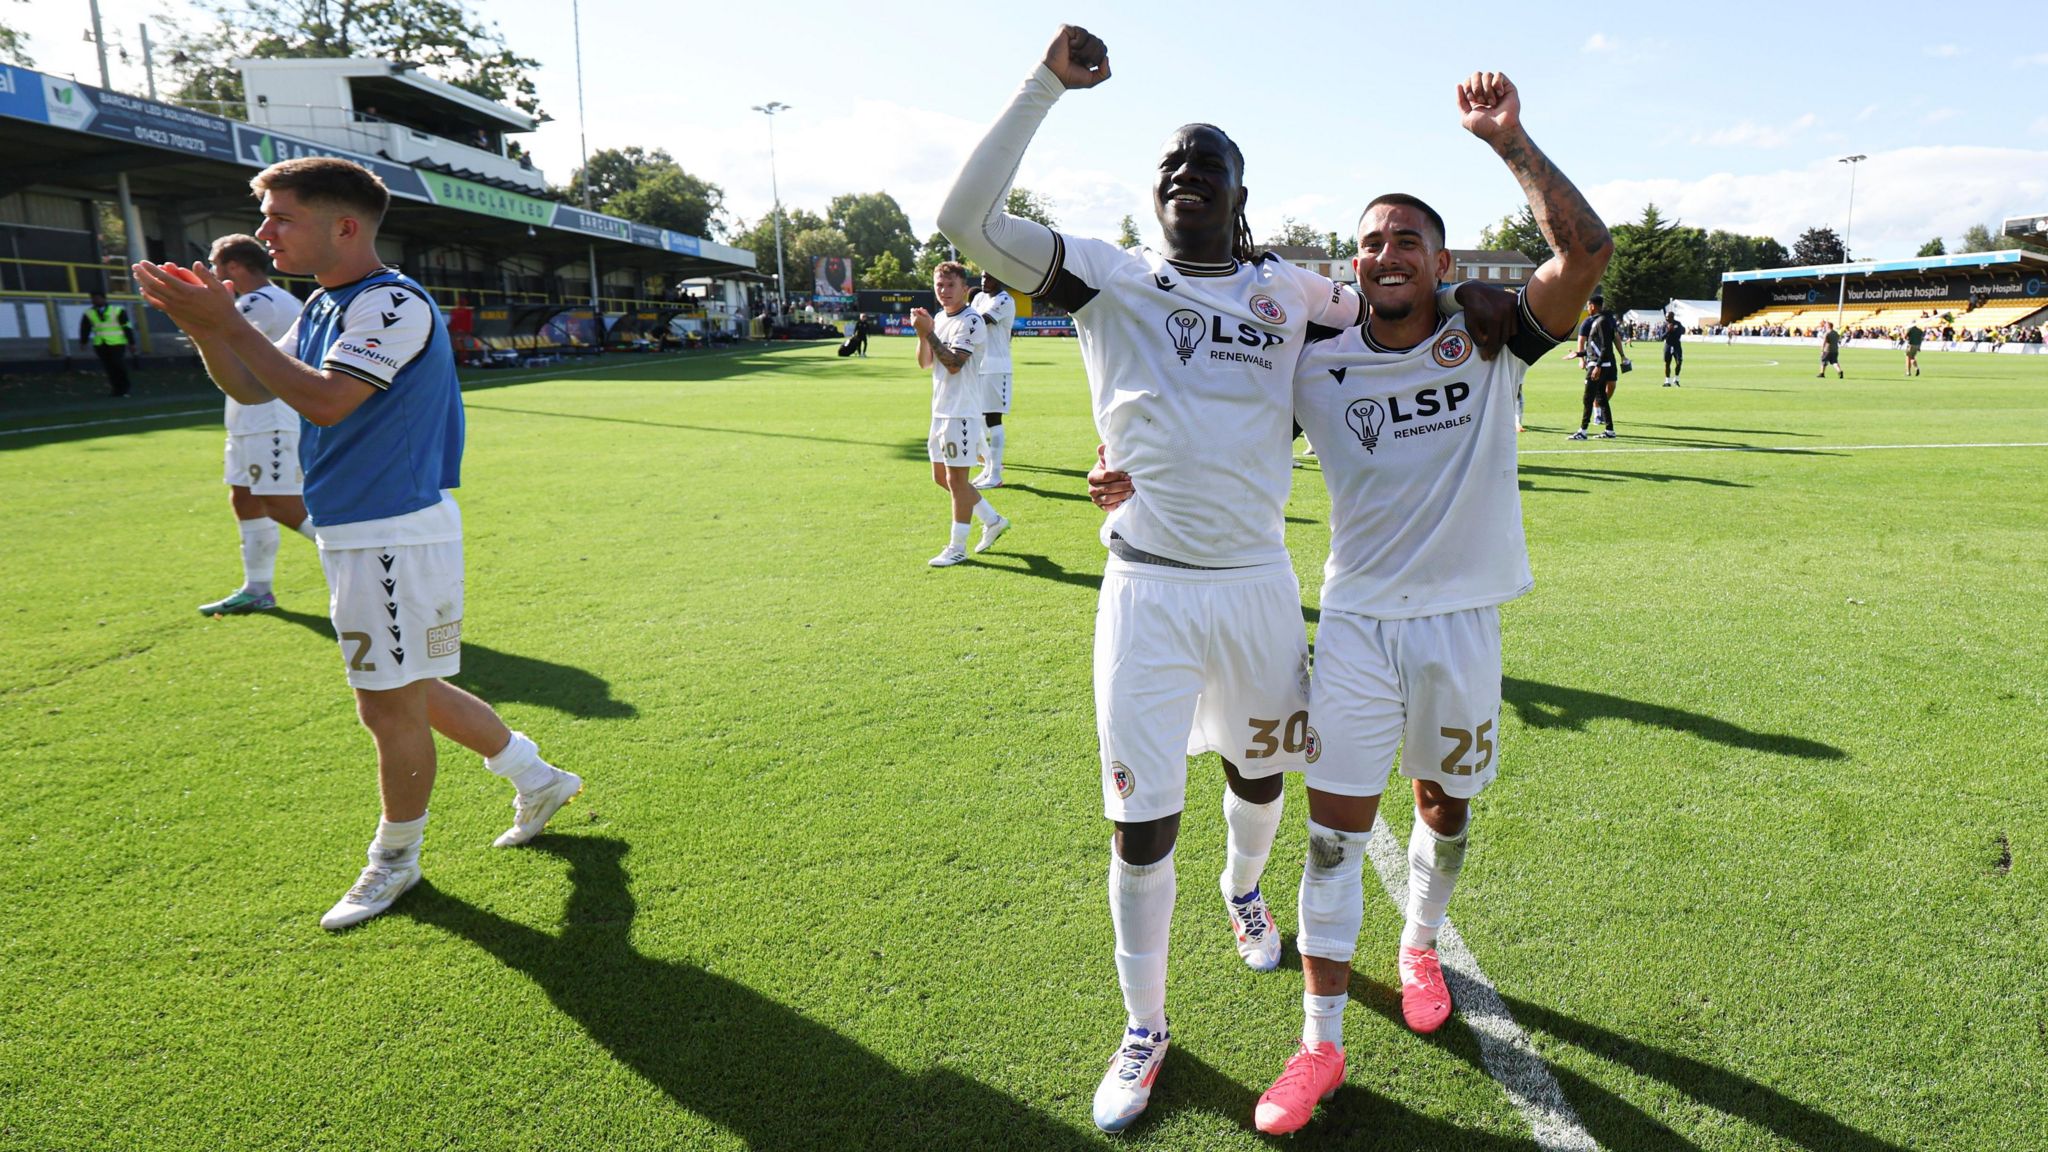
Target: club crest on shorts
[
  {"x": 1125, "y": 782},
  {"x": 1452, "y": 349},
  {"x": 1268, "y": 309},
  {"x": 1312, "y": 750}
]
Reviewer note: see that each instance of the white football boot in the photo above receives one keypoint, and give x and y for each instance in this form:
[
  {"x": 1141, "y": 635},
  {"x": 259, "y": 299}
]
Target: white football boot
[
  {"x": 1258, "y": 942},
  {"x": 380, "y": 886},
  {"x": 531, "y": 811},
  {"x": 990, "y": 532},
  {"x": 1126, "y": 1087},
  {"x": 948, "y": 558}
]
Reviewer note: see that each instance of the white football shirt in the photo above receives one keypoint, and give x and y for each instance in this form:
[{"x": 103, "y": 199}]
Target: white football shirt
[
  {"x": 1192, "y": 369},
  {"x": 1417, "y": 448},
  {"x": 999, "y": 311},
  {"x": 959, "y": 393},
  {"x": 273, "y": 311}
]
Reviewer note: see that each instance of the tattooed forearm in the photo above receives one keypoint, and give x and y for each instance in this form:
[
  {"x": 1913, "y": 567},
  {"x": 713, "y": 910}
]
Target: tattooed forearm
[
  {"x": 1568, "y": 223},
  {"x": 952, "y": 358}
]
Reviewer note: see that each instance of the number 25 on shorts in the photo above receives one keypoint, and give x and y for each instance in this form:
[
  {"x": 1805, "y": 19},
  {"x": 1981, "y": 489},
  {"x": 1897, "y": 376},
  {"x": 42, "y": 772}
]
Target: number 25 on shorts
[{"x": 1465, "y": 740}]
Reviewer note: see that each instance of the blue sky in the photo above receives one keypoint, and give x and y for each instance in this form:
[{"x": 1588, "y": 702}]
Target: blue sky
[{"x": 1729, "y": 121}]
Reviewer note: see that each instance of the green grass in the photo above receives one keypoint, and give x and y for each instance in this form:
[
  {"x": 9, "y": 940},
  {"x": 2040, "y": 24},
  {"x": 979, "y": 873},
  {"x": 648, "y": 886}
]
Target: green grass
[{"x": 1763, "y": 868}]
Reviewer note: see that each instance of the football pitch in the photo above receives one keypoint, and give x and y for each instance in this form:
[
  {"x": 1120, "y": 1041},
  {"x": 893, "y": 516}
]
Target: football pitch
[{"x": 1762, "y": 870}]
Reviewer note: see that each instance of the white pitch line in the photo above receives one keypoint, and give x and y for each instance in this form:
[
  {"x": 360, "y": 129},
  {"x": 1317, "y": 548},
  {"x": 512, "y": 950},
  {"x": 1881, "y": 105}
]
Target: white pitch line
[
  {"x": 1503, "y": 1047},
  {"x": 1788, "y": 448},
  {"x": 481, "y": 379}
]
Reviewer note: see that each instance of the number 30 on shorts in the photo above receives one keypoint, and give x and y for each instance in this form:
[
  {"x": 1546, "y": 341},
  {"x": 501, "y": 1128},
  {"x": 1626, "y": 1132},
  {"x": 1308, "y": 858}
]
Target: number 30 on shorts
[
  {"x": 1268, "y": 737},
  {"x": 1463, "y": 741}
]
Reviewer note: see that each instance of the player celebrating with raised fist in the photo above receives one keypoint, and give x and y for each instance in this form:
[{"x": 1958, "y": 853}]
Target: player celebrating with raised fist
[
  {"x": 369, "y": 367},
  {"x": 1198, "y": 636},
  {"x": 1417, "y": 441}
]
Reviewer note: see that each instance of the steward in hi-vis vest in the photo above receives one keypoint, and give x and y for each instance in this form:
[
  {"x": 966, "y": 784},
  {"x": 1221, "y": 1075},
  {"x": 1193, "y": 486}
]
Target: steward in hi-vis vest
[{"x": 106, "y": 329}]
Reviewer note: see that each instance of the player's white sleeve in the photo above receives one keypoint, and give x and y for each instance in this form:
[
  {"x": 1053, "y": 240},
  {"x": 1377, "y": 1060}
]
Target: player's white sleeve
[
  {"x": 1020, "y": 252},
  {"x": 1004, "y": 311},
  {"x": 289, "y": 342},
  {"x": 973, "y": 334},
  {"x": 1331, "y": 305},
  {"x": 384, "y": 328}
]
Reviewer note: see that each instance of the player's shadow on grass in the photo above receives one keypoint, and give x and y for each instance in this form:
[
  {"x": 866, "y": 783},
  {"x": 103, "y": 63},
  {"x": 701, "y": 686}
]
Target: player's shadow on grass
[
  {"x": 1554, "y": 706},
  {"x": 1611, "y": 1120},
  {"x": 1611, "y": 476},
  {"x": 752, "y": 1066},
  {"x": 504, "y": 678},
  {"x": 1733, "y": 431},
  {"x": 1043, "y": 567}
]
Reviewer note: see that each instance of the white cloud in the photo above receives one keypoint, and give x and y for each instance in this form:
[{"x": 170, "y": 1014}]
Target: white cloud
[
  {"x": 2037, "y": 59},
  {"x": 1902, "y": 196},
  {"x": 1945, "y": 51},
  {"x": 2041, "y": 126},
  {"x": 1869, "y": 110},
  {"x": 1750, "y": 134},
  {"x": 1939, "y": 115},
  {"x": 1601, "y": 43}
]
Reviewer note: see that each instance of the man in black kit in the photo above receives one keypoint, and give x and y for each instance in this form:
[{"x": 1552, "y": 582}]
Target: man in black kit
[
  {"x": 1600, "y": 354},
  {"x": 1674, "y": 352}
]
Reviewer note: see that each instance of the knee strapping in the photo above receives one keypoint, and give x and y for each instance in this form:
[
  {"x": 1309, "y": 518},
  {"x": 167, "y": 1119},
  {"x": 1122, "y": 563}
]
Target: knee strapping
[{"x": 1332, "y": 899}]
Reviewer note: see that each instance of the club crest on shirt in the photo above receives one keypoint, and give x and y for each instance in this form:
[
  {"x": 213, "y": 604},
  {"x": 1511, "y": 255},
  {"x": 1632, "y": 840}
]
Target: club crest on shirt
[
  {"x": 1125, "y": 782},
  {"x": 1452, "y": 349},
  {"x": 1269, "y": 310},
  {"x": 1312, "y": 751}
]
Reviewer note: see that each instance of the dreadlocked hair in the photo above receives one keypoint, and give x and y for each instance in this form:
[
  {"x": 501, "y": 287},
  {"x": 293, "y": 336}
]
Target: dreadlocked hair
[{"x": 1242, "y": 246}]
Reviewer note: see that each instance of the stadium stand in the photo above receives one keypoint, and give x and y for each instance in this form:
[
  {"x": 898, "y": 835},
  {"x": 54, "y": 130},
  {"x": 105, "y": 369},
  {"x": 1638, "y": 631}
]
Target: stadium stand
[
  {"x": 469, "y": 217},
  {"x": 1994, "y": 298}
]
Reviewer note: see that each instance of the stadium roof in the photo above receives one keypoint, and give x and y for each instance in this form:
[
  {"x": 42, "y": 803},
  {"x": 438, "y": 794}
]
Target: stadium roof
[
  {"x": 2012, "y": 256},
  {"x": 76, "y": 139}
]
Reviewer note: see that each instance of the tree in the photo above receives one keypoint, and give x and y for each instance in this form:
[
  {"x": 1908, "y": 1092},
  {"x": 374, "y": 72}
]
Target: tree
[
  {"x": 1127, "y": 233},
  {"x": 805, "y": 248},
  {"x": 1025, "y": 203},
  {"x": 1733, "y": 252},
  {"x": 759, "y": 238},
  {"x": 442, "y": 37},
  {"x": 1341, "y": 248},
  {"x": 1519, "y": 232},
  {"x": 1933, "y": 247},
  {"x": 14, "y": 45},
  {"x": 1295, "y": 234},
  {"x": 1978, "y": 238},
  {"x": 1656, "y": 260},
  {"x": 887, "y": 272},
  {"x": 937, "y": 250},
  {"x": 875, "y": 223},
  {"x": 1818, "y": 246},
  {"x": 649, "y": 188}
]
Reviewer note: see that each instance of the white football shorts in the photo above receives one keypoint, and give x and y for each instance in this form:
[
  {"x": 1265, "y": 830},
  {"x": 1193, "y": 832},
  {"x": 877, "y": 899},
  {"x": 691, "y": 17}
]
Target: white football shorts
[
  {"x": 1429, "y": 686},
  {"x": 266, "y": 463},
  {"x": 957, "y": 441},
  {"x": 397, "y": 611},
  {"x": 1189, "y": 661},
  {"x": 997, "y": 385}
]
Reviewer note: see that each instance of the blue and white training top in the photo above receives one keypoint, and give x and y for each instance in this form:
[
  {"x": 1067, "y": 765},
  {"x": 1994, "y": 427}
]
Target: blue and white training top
[{"x": 402, "y": 449}]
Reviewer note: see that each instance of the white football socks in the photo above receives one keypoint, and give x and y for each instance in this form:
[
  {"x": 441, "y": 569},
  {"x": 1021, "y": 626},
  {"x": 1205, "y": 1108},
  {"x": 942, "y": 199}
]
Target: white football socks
[
  {"x": 398, "y": 841},
  {"x": 1323, "y": 1019},
  {"x": 1332, "y": 900},
  {"x": 1433, "y": 865},
  {"x": 519, "y": 761},
  {"x": 960, "y": 535},
  {"x": 1141, "y": 911},
  {"x": 995, "y": 447},
  {"x": 259, "y": 553},
  {"x": 1251, "y": 828},
  {"x": 985, "y": 512}
]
